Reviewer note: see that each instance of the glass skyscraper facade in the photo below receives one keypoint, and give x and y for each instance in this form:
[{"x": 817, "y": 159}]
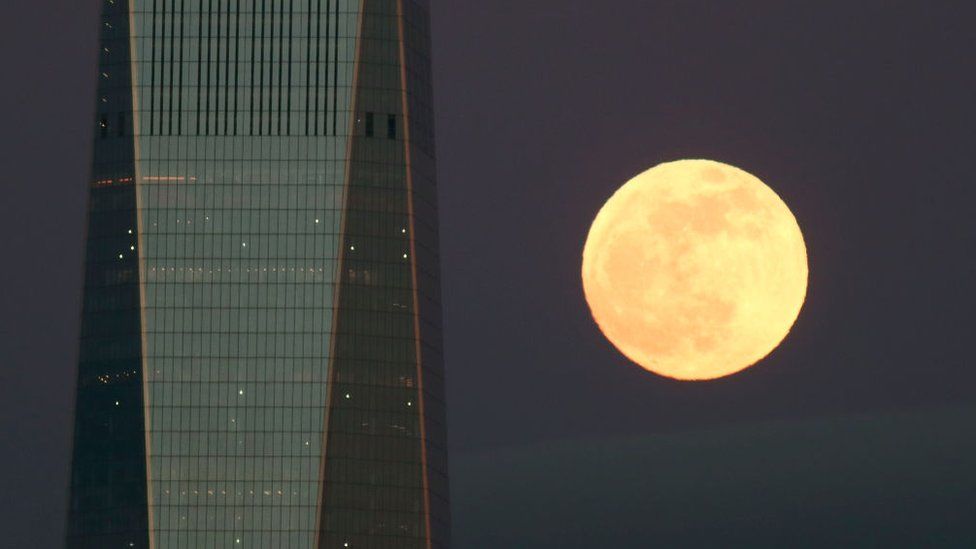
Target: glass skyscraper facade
[{"x": 260, "y": 361}]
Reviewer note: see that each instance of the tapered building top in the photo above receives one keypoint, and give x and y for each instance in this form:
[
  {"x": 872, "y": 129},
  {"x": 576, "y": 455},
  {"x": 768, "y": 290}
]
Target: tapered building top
[{"x": 260, "y": 358}]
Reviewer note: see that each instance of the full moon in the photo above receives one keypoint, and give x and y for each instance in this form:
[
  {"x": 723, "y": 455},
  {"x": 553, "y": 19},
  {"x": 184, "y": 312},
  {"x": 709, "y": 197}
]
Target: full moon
[{"x": 695, "y": 270}]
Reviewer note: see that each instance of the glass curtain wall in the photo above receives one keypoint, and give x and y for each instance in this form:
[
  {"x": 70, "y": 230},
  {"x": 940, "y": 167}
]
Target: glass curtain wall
[{"x": 260, "y": 360}]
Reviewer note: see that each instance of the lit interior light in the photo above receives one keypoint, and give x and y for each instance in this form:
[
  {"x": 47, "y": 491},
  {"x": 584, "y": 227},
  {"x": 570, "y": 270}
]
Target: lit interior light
[
  {"x": 404, "y": 231},
  {"x": 130, "y": 231},
  {"x": 132, "y": 247},
  {"x": 348, "y": 395},
  {"x": 116, "y": 403},
  {"x": 179, "y": 178},
  {"x": 244, "y": 244},
  {"x": 316, "y": 220},
  {"x": 404, "y": 256},
  {"x": 352, "y": 248},
  {"x": 241, "y": 392},
  {"x": 120, "y": 256},
  {"x": 409, "y": 403}
]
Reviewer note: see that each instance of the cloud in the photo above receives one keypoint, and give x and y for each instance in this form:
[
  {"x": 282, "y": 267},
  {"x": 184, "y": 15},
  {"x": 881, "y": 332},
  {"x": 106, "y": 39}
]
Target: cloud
[{"x": 885, "y": 479}]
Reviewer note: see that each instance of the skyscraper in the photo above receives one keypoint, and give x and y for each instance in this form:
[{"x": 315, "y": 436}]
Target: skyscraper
[{"x": 260, "y": 360}]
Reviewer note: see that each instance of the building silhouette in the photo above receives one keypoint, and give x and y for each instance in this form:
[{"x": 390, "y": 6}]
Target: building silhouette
[{"x": 260, "y": 359}]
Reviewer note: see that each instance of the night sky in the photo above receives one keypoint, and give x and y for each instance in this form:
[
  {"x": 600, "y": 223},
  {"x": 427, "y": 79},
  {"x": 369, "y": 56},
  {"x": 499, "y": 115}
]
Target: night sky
[{"x": 858, "y": 430}]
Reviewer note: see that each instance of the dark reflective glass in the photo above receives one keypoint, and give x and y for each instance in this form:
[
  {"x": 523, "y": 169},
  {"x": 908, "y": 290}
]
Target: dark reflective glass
[{"x": 260, "y": 355}]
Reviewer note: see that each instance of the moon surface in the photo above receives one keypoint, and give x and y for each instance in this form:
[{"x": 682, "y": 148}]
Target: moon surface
[{"x": 695, "y": 270}]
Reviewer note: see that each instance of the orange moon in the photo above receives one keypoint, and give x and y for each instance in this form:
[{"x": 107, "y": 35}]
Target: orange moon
[{"x": 695, "y": 270}]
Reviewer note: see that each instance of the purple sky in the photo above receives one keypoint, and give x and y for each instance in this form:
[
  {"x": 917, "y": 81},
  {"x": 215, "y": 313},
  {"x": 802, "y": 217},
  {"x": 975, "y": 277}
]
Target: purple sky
[{"x": 859, "y": 114}]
